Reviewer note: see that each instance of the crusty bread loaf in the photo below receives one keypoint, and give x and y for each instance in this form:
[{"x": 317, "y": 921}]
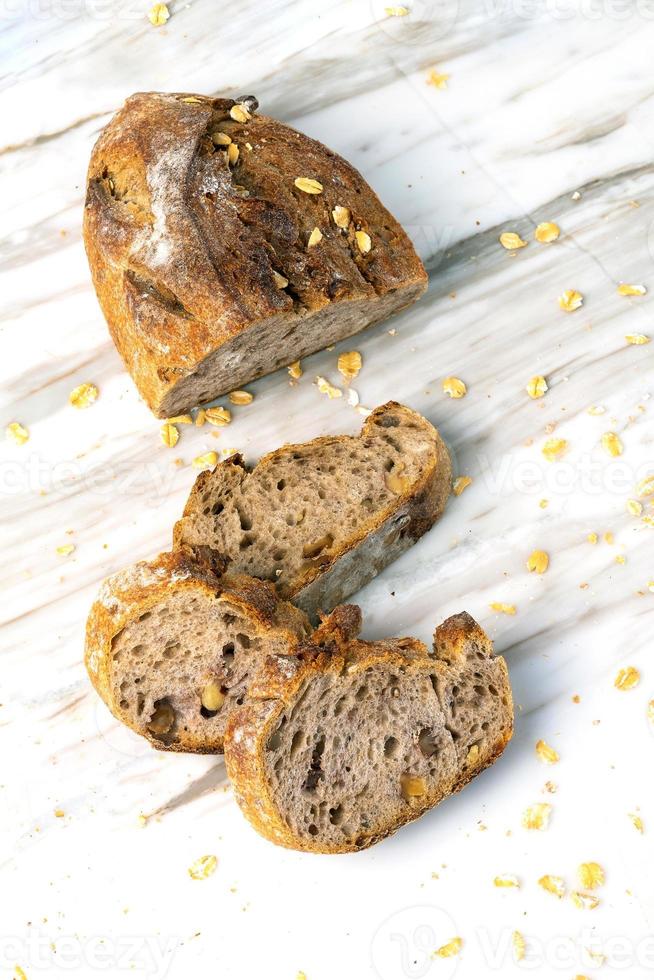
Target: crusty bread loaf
[
  {"x": 172, "y": 647},
  {"x": 322, "y": 518},
  {"x": 224, "y": 244},
  {"x": 365, "y": 737}
]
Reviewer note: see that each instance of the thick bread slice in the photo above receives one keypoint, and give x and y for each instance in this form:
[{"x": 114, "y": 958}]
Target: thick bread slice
[
  {"x": 322, "y": 518},
  {"x": 224, "y": 244},
  {"x": 366, "y": 737},
  {"x": 172, "y": 647}
]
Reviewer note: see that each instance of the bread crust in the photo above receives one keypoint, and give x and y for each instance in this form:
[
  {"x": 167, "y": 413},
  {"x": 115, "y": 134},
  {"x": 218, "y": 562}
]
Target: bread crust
[
  {"x": 184, "y": 246},
  {"x": 133, "y": 591},
  {"x": 379, "y": 539},
  {"x": 250, "y": 727}
]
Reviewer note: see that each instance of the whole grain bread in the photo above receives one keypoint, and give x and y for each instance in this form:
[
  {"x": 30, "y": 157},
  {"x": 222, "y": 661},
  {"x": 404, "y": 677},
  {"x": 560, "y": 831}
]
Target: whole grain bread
[
  {"x": 322, "y": 518},
  {"x": 173, "y": 646},
  {"x": 223, "y": 245},
  {"x": 365, "y": 737}
]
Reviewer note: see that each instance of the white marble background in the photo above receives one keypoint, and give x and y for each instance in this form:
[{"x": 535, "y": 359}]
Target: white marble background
[{"x": 544, "y": 100}]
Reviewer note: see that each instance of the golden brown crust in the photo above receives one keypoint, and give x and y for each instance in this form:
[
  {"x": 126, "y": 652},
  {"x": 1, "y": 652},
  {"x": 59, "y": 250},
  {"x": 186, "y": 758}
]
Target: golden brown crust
[
  {"x": 250, "y": 727},
  {"x": 133, "y": 591},
  {"x": 173, "y": 231}
]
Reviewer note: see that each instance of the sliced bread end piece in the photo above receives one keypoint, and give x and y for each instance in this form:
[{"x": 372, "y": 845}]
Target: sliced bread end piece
[
  {"x": 321, "y": 519},
  {"x": 368, "y": 736},
  {"x": 172, "y": 647}
]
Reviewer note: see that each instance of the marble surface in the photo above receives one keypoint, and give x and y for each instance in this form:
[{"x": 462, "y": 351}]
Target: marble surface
[{"x": 548, "y": 115}]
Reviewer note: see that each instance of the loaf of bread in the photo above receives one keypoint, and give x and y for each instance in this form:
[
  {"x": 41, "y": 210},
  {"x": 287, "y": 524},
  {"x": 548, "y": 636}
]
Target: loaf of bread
[
  {"x": 322, "y": 518},
  {"x": 172, "y": 646},
  {"x": 364, "y": 737},
  {"x": 224, "y": 244}
]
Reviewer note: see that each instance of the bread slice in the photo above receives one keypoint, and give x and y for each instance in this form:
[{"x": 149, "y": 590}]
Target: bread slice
[
  {"x": 321, "y": 519},
  {"x": 223, "y": 245},
  {"x": 172, "y": 647},
  {"x": 365, "y": 737}
]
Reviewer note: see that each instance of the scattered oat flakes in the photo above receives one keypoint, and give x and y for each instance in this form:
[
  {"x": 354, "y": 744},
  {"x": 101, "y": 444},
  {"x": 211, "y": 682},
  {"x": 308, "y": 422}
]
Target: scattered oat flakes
[
  {"x": 536, "y": 386},
  {"x": 612, "y": 443},
  {"x": 626, "y": 679},
  {"x": 596, "y": 410},
  {"x": 582, "y": 900},
  {"x": 181, "y": 420},
  {"x": 353, "y": 398},
  {"x": 650, "y": 711},
  {"x": 511, "y": 240},
  {"x": 538, "y": 561},
  {"x": 280, "y": 281},
  {"x": 301, "y": 975},
  {"x": 546, "y": 753},
  {"x": 591, "y": 874},
  {"x": 169, "y": 434},
  {"x": 570, "y": 300},
  {"x": 158, "y": 15},
  {"x": 437, "y": 79},
  {"x": 241, "y": 397},
  {"x": 341, "y": 216},
  {"x": 553, "y": 884},
  {"x": 536, "y": 817},
  {"x": 328, "y": 389},
  {"x": 646, "y": 487},
  {"x": 620, "y": 559},
  {"x": 460, "y": 484},
  {"x": 83, "y": 396},
  {"x": 142, "y": 820},
  {"x": 627, "y": 289},
  {"x": 637, "y": 822},
  {"x": 473, "y": 755},
  {"x": 543, "y": 503},
  {"x": 449, "y": 949},
  {"x": 233, "y": 153},
  {"x": 364, "y": 242},
  {"x": 17, "y": 433},
  {"x": 19, "y": 973},
  {"x": 454, "y": 387},
  {"x": 314, "y": 238},
  {"x": 308, "y": 185},
  {"x": 349, "y": 364},
  {"x": 634, "y": 507},
  {"x": 59, "y": 813},
  {"x": 203, "y": 867},
  {"x": 65, "y": 549},
  {"x": 218, "y": 415},
  {"x": 547, "y": 232},
  {"x": 608, "y": 537},
  {"x": 576, "y": 196},
  {"x": 220, "y": 139},
  {"x": 506, "y": 881},
  {"x": 550, "y": 787},
  {"x": 519, "y": 946},
  {"x": 553, "y": 449},
  {"x": 295, "y": 370},
  {"x": 503, "y": 607},
  {"x": 638, "y": 339},
  {"x": 240, "y": 113},
  {"x": 205, "y": 460},
  {"x": 396, "y": 11}
]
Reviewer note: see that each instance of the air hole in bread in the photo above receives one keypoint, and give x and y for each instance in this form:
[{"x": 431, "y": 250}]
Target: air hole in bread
[
  {"x": 391, "y": 747},
  {"x": 427, "y": 741},
  {"x": 228, "y": 655}
]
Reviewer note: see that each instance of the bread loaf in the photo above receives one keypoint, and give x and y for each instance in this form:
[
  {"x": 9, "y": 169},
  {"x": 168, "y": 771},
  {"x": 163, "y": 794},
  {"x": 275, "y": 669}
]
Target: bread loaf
[
  {"x": 224, "y": 244},
  {"x": 172, "y": 646},
  {"x": 322, "y": 518},
  {"x": 365, "y": 737}
]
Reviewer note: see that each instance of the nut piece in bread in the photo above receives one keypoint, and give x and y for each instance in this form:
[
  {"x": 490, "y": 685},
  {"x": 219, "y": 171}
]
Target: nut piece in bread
[
  {"x": 322, "y": 518},
  {"x": 172, "y": 647},
  {"x": 366, "y": 737},
  {"x": 199, "y": 228}
]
